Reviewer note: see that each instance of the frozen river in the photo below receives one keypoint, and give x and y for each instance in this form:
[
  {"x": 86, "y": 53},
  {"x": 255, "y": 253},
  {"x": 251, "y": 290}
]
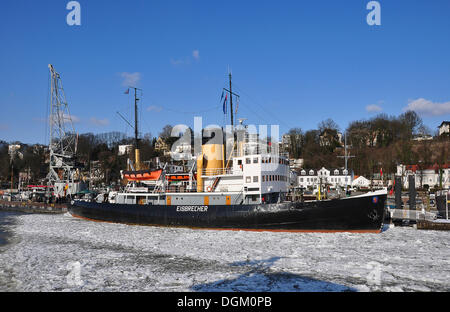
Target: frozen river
[{"x": 62, "y": 253}]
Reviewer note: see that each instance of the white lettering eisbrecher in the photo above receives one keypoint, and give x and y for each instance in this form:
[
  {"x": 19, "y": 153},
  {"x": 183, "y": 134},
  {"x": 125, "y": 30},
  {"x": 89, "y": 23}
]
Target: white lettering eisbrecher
[{"x": 192, "y": 208}]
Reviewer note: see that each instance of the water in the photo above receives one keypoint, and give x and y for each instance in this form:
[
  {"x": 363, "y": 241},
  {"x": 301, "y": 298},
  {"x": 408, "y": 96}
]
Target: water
[
  {"x": 6, "y": 221},
  {"x": 62, "y": 253}
]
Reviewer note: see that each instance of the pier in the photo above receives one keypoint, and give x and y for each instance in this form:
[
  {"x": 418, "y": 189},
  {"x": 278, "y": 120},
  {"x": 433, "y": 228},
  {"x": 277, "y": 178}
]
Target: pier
[
  {"x": 33, "y": 207},
  {"x": 414, "y": 207}
]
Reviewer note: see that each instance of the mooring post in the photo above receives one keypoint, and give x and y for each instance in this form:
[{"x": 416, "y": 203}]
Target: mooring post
[
  {"x": 398, "y": 192},
  {"x": 412, "y": 192}
]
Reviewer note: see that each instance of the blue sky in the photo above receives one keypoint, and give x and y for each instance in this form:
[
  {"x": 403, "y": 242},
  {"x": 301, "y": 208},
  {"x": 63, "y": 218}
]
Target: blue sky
[{"x": 294, "y": 63}]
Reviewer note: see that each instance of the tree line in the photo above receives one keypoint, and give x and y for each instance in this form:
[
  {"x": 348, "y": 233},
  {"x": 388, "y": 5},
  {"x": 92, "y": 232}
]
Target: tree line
[{"x": 381, "y": 142}]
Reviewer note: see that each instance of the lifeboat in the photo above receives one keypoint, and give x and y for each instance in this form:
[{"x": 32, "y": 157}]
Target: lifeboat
[
  {"x": 177, "y": 177},
  {"x": 142, "y": 175}
]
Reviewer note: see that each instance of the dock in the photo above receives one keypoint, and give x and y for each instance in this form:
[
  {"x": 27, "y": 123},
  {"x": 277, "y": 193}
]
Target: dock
[
  {"x": 435, "y": 225},
  {"x": 33, "y": 207}
]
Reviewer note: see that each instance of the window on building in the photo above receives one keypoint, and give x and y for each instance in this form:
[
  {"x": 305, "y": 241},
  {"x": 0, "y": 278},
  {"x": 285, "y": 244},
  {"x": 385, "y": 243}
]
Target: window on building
[
  {"x": 255, "y": 160},
  {"x": 248, "y": 161},
  {"x": 255, "y": 179},
  {"x": 248, "y": 179}
]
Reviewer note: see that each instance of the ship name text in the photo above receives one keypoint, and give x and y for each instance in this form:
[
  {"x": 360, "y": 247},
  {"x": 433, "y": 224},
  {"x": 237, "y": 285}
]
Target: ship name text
[{"x": 192, "y": 208}]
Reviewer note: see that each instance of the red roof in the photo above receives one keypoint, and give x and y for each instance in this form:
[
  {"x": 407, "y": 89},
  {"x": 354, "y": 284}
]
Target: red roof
[{"x": 435, "y": 167}]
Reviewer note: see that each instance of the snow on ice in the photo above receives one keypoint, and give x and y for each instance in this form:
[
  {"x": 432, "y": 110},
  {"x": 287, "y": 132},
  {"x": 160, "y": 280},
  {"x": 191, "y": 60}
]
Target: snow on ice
[{"x": 62, "y": 253}]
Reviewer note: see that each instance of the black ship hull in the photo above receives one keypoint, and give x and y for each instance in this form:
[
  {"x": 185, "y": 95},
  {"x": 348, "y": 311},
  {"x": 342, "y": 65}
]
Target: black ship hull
[{"x": 357, "y": 214}]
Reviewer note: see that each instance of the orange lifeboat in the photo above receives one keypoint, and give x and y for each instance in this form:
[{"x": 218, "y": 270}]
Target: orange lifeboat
[
  {"x": 177, "y": 177},
  {"x": 143, "y": 175}
]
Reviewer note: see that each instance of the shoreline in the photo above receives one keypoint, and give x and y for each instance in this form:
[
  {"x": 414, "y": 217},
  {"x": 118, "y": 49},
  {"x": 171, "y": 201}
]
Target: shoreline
[
  {"x": 32, "y": 207},
  {"x": 7, "y": 220}
]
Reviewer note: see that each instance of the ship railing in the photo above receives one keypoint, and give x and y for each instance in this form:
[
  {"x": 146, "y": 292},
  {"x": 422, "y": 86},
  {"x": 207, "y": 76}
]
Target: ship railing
[
  {"x": 220, "y": 171},
  {"x": 179, "y": 189},
  {"x": 251, "y": 152}
]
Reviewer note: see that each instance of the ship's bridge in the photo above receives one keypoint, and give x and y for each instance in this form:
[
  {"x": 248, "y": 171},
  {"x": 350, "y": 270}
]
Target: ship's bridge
[{"x": 254, "y": 169}]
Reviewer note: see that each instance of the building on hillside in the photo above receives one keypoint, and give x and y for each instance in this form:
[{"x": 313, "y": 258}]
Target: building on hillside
[
  {"x": 285, "y": 143},
  {"x": 309, "y": 178},
  {"x": 444, "y": 128},
  {"x": 296, "y": 164},
  {"x": 182, "y": 151},
  {"x": 422, "y": 137},
  {"x": 125, "y": 149},
  {"x": 38, "y": 148},
  {"x": 13, "y": 148},
  {"x": 329, "y": 136},
  {"x": 161, "y": 146}
]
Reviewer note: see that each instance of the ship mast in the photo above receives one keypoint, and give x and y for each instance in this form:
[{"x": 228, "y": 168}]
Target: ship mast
[
  {"x": 136, "y": 130},
  {"x": 346, "y": 157},
  {"x": 231, "y": 100}
]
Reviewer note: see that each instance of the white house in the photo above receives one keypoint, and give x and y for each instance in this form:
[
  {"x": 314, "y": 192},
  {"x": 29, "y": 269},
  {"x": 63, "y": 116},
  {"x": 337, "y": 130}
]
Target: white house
[
  {"x": 444, "y": 127},
  {"x": 309, "y": 178},
  {"x": 361, "y": 182},
  {"x": 427, "y": 176},
  {"x": 125, "y": 149}
]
